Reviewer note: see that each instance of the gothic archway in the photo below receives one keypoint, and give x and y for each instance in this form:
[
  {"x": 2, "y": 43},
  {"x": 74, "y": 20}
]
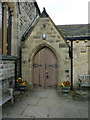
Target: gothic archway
[{"x": 45, "y": 68}]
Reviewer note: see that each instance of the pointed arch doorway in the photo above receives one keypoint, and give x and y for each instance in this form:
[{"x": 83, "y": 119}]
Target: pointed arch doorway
[{"x": 45, "y": 68}]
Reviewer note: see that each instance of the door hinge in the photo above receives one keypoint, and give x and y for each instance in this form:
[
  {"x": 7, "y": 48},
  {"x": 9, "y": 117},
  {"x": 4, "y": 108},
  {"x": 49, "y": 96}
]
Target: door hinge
[
  {"x": 37, "y": 65},
  {"x": 53, "y": 65}
]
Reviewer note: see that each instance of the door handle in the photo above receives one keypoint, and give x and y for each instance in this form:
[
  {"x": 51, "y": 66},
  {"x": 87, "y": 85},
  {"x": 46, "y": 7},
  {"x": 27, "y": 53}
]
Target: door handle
[{"x": 47, "y": 76}]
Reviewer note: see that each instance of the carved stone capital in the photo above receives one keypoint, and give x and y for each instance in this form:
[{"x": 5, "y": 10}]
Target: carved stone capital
[{"x": 4, "y": 5}]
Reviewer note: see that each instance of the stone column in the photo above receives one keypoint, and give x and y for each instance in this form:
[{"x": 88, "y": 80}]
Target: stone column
[
  {"x": 89, "y": 57},
  {"x": 4, "y": 29}
]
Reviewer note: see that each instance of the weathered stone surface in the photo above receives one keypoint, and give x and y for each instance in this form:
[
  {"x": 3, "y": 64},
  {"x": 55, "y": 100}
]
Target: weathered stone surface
[
  {"x": 45, "y": 103},
  {"x": 23, "y": 16},
  {"x": 80, "y": 65},
  {"x": 57, "y": 40},
  {"x": 45, "y": 26}
]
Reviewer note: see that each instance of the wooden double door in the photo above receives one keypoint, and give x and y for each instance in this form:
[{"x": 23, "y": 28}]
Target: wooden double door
[{"x": 45, "y": 68}]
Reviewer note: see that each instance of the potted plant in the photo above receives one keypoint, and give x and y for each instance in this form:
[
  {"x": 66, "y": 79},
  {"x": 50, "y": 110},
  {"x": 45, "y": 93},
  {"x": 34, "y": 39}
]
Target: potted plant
[
  {"x": 65, "y": 86},
  {"x": 20, "y": 84}
]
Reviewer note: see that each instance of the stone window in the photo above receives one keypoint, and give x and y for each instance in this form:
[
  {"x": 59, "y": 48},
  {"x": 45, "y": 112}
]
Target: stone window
[{"x": 7, "y": 13}]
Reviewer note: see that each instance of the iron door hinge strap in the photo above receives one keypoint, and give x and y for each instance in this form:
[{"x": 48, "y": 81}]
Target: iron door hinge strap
[
  {"x": 53, "y": 65},
  {"x": 37, "y": 65}
]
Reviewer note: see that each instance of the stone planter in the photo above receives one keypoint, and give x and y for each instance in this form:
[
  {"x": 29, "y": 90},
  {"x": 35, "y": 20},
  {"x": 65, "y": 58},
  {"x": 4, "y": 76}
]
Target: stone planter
[
  {"x": 65, "y": 89},
  {"x": 21, "y": 88}
]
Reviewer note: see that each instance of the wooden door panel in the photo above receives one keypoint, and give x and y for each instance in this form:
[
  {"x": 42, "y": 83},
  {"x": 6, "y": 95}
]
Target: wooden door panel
[
  {"x": 51, "y": 62},
  {"x": 42, "y": 69},
  {"x": 36, "y": 69},
  {"x": 39, "y": 61},
  {"x": 45, "y": 69}
]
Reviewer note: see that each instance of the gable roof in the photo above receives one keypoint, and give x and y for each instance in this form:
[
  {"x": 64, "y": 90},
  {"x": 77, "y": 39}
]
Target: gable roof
[
  {"x": 44, "y": 14},
  {"x": 78, "y": 31},
  {"x": 35, "y": 3},
  {"x": 34, "y": 23},
  {"x": 71, "y": 32},
  {"x": 29, "y": 29}
]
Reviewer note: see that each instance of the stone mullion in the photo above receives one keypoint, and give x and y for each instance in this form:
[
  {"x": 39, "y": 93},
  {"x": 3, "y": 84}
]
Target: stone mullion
[{"x": 5, "y": 29}]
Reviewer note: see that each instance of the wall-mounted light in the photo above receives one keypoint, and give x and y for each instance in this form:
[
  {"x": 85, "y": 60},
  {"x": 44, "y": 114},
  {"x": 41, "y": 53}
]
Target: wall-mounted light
[
  {"x": 86, "y": 41},
  {"x": 44, "y": 36}
]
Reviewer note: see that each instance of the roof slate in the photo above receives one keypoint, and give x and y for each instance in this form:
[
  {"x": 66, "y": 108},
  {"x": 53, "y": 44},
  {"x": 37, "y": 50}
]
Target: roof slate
[
  {"x": 80, "y": 30},
  {"x": 73, "y": 32}
]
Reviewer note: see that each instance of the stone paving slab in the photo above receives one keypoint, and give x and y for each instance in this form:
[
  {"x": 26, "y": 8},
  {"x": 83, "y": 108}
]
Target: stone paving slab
[
  {"x": 37, "y": 112},
  {"x": 45, "y": 103},
  {"x": 49, "y": 103},
  {"x": 61, "y": 112}
]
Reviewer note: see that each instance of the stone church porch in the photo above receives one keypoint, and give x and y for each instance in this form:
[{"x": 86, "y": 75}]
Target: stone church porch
[
  {"x": 45, "y": 103},
  {"x": 44, "y": 54}
]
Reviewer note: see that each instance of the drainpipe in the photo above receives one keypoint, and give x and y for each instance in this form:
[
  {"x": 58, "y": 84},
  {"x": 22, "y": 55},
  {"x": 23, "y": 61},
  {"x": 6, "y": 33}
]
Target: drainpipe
[
  {"x": 71, "y": 64},
  {"x": 15, "y": 71},
  {"x": 20, "y": 62}
]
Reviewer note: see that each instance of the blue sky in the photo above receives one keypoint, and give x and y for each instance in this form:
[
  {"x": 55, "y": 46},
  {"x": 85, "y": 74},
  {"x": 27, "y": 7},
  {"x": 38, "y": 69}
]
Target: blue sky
[{"x": 66, "y": 11}]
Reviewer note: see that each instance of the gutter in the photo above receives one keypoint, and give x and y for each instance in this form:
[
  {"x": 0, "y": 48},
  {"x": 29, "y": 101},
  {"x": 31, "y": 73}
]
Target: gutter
[
  {"x": 28, "y": 29},
  {"x": 77, "y": 38}
]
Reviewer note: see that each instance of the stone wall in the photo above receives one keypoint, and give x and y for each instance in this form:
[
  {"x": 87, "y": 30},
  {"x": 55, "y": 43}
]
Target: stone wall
[
  {"x": 7, "y": 73},
  {"x": 24, "y": 14},
  {"x": 89, "y": 57},
  {"x": 0, "y": 27},
  {"x": 54, "y": 41},
  {"x": 80, "y": 59}
]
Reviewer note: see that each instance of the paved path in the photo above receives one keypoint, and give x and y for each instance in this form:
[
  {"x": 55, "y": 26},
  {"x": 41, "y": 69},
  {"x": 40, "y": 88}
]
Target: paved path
[{"x": 41, "y": 103}]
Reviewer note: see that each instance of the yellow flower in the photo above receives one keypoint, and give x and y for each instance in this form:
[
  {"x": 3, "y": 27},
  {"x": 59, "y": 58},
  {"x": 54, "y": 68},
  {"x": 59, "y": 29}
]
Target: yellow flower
[
  {"x": 63, "y": 84},
  {"x": 24, "y": 83}
]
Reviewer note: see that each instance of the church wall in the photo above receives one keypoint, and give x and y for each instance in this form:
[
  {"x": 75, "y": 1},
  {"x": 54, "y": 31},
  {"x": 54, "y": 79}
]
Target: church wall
[
  {"x": 89, "y": 57},
  {"x": 0, "y": 28},
  {"x": 24, "y": 14},
  {"x": 54, "y": 41},
  {"x": 80, "y": 59}
]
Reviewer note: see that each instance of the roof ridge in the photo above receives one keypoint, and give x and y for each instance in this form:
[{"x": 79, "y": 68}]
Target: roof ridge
[{"x": 71, "y": 24}]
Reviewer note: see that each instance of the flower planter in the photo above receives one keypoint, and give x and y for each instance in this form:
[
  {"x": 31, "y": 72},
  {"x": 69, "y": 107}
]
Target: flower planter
[
  {"x": 21, "y": 88},
  {"x": 65, "y": 89},
  {"x": 21, "y": 84}
]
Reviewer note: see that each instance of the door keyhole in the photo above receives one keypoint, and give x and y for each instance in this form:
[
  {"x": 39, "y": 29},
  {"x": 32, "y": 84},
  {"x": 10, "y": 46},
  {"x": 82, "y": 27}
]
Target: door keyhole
[{"x": 47, "y": 74}]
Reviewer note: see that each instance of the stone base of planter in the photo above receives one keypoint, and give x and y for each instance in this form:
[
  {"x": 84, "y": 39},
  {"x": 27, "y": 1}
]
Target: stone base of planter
[
  {"x": 21, "y": 88},
  {"x": 65, "y": 89}
]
